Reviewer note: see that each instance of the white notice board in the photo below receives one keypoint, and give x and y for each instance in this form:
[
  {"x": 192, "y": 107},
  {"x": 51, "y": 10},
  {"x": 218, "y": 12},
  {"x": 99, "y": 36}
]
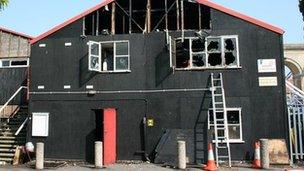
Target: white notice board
[
  {"x": 40, "y": 124},
  {"x": 268, "y": 81},
  {"x": 267, "y": 65}
]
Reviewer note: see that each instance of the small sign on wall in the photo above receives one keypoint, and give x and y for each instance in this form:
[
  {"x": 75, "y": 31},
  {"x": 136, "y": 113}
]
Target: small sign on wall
[
  {"x": 267, "y": 65},
  {"x": 150, "y": 122},
  {"x": 40, "y": 124},
  {"x": 268, "y": 81}
]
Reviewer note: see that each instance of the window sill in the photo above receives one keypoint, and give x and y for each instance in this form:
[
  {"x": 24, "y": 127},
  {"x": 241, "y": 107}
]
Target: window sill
[
  {"x": 14, "y": 67},
  {"x": 233, "y": 141},
  {"x": 209, "y": 68},
  {"x": 115, "y": 72}
]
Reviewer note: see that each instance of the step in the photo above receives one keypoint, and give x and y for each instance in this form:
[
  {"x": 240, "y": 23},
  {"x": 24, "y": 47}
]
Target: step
[
  {"x": 223, "y": 157},
  {"x": 8, "y": 146},
  {"x": 9, "y": 128},
  {"x": 14, "y": 122},
  {"x": 11, "y": 141},
  {"x": 6, "y": 159},
  {"x": 218, "y": 95},
  {"x": 9, "y": 133},
  {"x": 218, "y": 137},
  {"x": 7, "y": 154},
  {"x": 11, "y": 137},
  {"x": 7, "y": 150}
]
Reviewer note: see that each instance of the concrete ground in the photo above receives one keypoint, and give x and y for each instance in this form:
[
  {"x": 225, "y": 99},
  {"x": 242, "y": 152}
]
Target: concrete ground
[{"x": 135, "y": 167}]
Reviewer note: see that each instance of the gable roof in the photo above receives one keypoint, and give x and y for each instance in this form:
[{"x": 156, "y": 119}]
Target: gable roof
[
  {"x": 203, "y": 2},
  {"x": 16, "y": 33}
]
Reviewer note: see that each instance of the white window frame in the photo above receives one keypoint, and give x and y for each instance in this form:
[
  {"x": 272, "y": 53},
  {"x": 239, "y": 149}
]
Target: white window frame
[
  {"x": 91, "y": 43},
  {"x": 240, "y": 140},
  {"x": 10, "y": 60},
  {"x": 207, "y": 66},
  {"x": 115, "y": 70},
  {"x": 222, "y": 38}
]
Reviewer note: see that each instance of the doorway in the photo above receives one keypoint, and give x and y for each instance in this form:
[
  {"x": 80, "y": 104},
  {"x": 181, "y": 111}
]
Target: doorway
[{"x": 105, "y": 131}]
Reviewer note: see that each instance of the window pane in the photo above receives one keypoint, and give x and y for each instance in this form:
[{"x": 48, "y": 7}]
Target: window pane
[
  {"x": 214, "y": 45},
  {"x": 122, "y": 48},
  {"x": 5, "y": 63},
  {"x": 182, "y": 53},
  {"x": 230, "y": 52},
  {"x": 19, "y": 63},
  {"x": 215, "y": 59},
  {"x": 233, "y": 117},
  {"x": 94, "y": 49},
  {"x": 122, "y": 63},
  {"x": 234, "y": 132},
  {"x": 94, "y": 63},
  {"x": 198, "y": 45},
  {"x": 107, "y": 56},
  {"x": 199, "y": 60}
]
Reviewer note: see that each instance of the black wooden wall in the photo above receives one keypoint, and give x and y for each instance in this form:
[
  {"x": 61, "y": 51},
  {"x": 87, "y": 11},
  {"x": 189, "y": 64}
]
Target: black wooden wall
[{"x": 72, "y": 117}]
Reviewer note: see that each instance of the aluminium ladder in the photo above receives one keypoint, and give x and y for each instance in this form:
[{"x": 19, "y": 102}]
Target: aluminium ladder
[{"x": 221, "y": 132}]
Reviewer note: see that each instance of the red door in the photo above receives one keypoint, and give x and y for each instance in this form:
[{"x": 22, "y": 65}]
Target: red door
[{"x": 109, "y": 136}]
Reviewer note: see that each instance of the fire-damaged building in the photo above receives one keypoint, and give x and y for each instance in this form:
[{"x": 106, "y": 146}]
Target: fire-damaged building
[{"x": 140, "y": 75}]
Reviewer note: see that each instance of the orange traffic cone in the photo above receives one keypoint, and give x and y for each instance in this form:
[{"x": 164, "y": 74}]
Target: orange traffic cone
[
  {"x": 210, "y": 163},
  {"x": 257, "y": 159}
]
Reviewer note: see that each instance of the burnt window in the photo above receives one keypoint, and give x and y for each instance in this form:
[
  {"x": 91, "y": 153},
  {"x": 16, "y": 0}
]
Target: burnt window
[
  {"x": 223, "y": 51},
  {"x": 188, "y": 53},
  {"x": 234, "y": 122},
  {"x": 204, "y": 53}
]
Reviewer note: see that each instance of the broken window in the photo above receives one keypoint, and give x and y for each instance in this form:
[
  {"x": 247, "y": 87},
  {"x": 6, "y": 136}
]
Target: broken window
[
  {"x": 109, "y": 56},
  {"x": 14, "y": 62},
  {"x": 222, "y": 51},
  {"x": 230, "y": 51},
  {"x": 198, "y": 52},
  {"x": 214, "y": 51},
  {"x": 182, "y": 53},
  {"x": 234, "y": 121}
]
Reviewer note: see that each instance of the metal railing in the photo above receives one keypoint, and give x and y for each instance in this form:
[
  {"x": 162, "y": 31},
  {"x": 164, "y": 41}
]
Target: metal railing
[
  {"x": 11, "y": 98},
  {"x": 295, "y": 104},
  {"x": 21, "y": 126}
]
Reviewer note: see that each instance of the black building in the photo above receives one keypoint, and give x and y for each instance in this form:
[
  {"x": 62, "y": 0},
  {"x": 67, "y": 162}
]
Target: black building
[{"x": 151, "y": 62}]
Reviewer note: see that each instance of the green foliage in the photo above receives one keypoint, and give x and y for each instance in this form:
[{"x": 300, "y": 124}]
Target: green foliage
[
  {"x": 301, "y": 6},
  {"x": 3, "y": 3}
]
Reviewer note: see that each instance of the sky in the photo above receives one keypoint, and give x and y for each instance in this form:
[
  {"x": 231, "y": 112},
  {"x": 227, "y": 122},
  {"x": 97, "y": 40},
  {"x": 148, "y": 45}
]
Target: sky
[{"x": 34, "y": 17}]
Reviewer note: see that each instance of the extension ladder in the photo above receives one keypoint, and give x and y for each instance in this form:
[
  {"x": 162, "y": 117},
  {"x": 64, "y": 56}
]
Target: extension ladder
[{"x": 220, "y": 121}]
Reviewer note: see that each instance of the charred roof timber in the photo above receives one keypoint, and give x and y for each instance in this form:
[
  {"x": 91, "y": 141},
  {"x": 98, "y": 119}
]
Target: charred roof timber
[
  {"x": 137, "y": 16},
  {"x": 145, "y": 16}
]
